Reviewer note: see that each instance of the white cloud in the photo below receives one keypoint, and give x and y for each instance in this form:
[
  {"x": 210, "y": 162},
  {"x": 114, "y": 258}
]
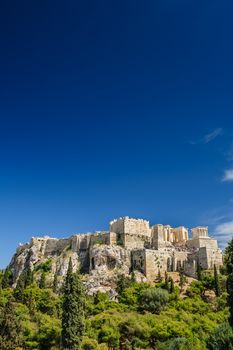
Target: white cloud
[
  {"x": 224, "y": 233},
  {"x": 225, "y": 228},
  {"x": 228, "y": 175},
  {"x": 212, "y": 135},
  {"x": 209, "y": 137}
]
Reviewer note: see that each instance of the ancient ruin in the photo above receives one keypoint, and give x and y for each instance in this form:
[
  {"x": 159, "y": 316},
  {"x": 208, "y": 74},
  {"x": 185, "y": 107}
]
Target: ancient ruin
[{"x": 129, "y": 245}]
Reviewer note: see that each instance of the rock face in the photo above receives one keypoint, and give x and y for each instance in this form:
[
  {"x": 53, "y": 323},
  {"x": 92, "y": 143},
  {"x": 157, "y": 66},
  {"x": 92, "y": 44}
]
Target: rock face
[
  {"x": 99, "y": 261},
  {"x": 130, "y": 245}
]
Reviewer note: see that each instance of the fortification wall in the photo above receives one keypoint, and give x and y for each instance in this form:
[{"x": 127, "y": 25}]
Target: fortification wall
[
  {"x": 190, "y": 266},
  {"x": 132, "y": 241},
  {"x": 112, "y": 238},
  {"x": 209, "y": 257},
  {"x": 131, "y": 226},
  {"x": 157, "y": 236},
  {"x": 100, "y": 238},
  {"x": 117, "y": 225},
  {"x": 138, "y": 260},
  {"x": 80, "y": 242},
  {"x": 156, "y": 261},
  {"x": 56, "y": 246},
  {"x": 179, "y": 260},
  {"x": 200, "y": 242}
]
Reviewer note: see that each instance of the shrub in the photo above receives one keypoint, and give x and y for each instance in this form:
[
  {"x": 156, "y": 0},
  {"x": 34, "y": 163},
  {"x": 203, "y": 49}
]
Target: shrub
[
  {"x": 221, "y": 338},
  {"x": 154, "y": 300}
]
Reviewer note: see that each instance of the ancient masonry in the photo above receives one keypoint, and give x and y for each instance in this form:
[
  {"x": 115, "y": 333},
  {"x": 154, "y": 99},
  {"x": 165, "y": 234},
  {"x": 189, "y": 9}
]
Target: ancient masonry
[{"x": 130, "y": 245}]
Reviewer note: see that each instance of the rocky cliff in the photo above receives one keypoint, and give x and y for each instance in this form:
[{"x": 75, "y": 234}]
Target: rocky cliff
[{"x": 100, "y": 263}]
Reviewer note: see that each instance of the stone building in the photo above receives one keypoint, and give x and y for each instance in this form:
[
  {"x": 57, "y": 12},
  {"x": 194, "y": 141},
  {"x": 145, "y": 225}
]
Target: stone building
[{"x": 129, "y": 245}]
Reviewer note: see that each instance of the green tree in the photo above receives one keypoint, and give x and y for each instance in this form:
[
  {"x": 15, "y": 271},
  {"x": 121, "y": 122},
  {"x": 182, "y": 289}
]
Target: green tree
[
  {"x": 55, "y": 283},
  {"x": 123, "y": 282},
  {"x": 199, "y": 272},
  {"x": 216, "y": 282},
  {"x": 9, "y": 328},
  {"x": 73, "y": 311},
  {"x": 159, "y": 277},
  {"x": 229, "y": 271},
  {"x": 28, "y": 276},
  {"x": 221, "y": 338},
  {"x": 7, "y": 278},
  {"x": 20, "y": 287},
  {"x": 182, "y": 280},
  {"x": 166, "y": 281},
  {"x": 154, "y": 299},
  {"x": 172, "y": 287},
  {"x": 42, "y": 283},
  {"x": 133, "y": 277}
]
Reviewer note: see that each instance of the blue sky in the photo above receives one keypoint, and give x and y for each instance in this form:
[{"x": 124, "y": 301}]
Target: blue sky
[{"x": 114, "y": 108}]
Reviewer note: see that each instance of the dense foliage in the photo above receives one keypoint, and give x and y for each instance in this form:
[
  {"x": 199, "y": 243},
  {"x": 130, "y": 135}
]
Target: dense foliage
[
  {"x": 167, "y": 315},
  {"x": 73, "y": 311}
]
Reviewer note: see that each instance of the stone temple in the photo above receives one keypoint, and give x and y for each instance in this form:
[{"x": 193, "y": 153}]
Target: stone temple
[{"x": 129, "y": 245}]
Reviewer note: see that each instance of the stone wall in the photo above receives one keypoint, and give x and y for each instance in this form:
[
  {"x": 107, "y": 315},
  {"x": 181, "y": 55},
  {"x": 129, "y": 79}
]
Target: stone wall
[
  {"x": 179, "y": 260},
  {"x": 138, "y": 260},
  {"x": 200, "y": 242},
  {"x": 130, "y": 226},
  {"x": 132, "y": 241},
  {"x": 157, "y": 236},
  {"x": 209, "y": 257},
  {"x": 155, "y": 261},
  {"x": 56, "y": 246},
  {"x": 130, "y": 244}
]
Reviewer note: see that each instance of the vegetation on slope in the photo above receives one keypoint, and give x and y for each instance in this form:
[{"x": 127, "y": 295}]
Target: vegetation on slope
[{"x": 34, "y": 316}]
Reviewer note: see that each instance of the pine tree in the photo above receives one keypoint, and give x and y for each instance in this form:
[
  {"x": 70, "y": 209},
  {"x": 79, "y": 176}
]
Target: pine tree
[
  {"x": 55, "y": 283},
  {"x": 73, "y": 311},
  {"x": 216, "y": 282},
  {"x": 9, "y": 328}
]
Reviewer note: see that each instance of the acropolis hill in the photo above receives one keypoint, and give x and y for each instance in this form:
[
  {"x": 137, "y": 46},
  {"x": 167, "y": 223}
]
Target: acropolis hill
[{"x": 129, "y": 245}]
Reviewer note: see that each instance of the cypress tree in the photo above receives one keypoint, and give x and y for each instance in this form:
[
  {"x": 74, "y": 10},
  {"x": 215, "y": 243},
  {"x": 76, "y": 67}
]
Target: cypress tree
[
  {"x": 159, "y": 278},
  {"x": 20, "y": 286},
  {"x": 123, "y": 282},
  {"x": 73, "y": 311},
  {"x": 133, "y": 277},
  {"x": 42, "y": 283},
  {"x": 216, "y": 282},
  {"x": 31, "y": 303},
  {"x": 172, "y": 287},
  {"x": 229, "y": 270},
  {"x": 55, "y": 283},
  {"x": 199, "y": 272},
  {"x": 6, "y": 279},
  {"x": 182, "y": 279},
  {"x": 166, "y": 281},
  {"x": 28, "y": 277},
  {"x": 9, "y": 328}
]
